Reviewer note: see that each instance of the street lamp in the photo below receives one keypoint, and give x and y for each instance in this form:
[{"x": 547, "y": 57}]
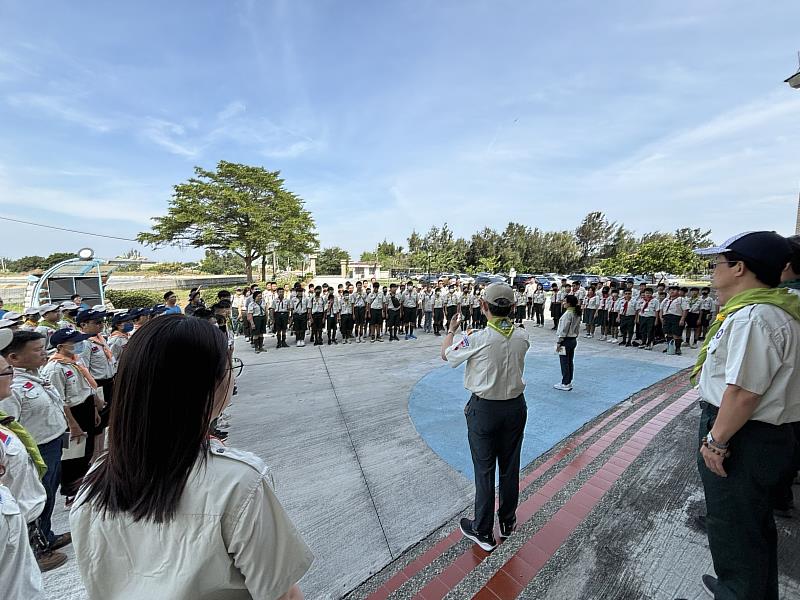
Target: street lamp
[{"x": 429, "y": 264}]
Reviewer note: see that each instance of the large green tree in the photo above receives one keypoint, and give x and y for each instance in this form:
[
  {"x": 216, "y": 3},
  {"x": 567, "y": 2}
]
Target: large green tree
[
  {"x": 238, "y": 208},
  {"x": 329, "y": 261},
  {"x": 593, "y": 234}
]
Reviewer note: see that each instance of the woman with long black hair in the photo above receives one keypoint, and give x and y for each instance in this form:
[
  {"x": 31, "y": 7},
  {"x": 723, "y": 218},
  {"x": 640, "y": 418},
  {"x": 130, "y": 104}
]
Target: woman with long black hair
[
  {"x": 168, "y": 511},
  {"x": 569, "y": 328}
]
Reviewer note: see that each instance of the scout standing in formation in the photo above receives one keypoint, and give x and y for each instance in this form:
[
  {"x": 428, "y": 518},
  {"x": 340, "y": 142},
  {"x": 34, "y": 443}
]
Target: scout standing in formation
[
  {"x": 279, "y": 315},
  {"x": 346, "y": 316},
  {"x": 410, "y": 301},
  {"x": 376, "y": 300},
  {"x": 672, "y": 313},
  {"x": 393, "y": 307},
  {"x": 317, "y": 316},
  {"x": 301, "y": 313},
  {"x": 332, "y": 317},
  {"x": 359, "y": 308}
]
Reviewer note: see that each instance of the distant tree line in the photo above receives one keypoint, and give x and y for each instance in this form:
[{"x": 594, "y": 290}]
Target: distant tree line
[{"x": 597, "y": 245}]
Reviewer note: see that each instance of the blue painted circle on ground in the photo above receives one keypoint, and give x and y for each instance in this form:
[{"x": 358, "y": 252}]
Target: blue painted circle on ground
[{"x": 436, "y": 403}]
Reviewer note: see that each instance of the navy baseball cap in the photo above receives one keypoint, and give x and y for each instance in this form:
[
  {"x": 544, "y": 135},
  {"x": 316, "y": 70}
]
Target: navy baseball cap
[
  {"x": 766, "y": 248},
  {"x": 90, "y": 315},
  {"x": 122, "y": 318},
  {"x": 67, "y": 336},
  {"x": 158, "y": 309}
]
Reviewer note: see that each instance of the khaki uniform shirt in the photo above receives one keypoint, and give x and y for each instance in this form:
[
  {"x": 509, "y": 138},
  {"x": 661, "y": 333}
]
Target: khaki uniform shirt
[
  {"x": 68, "y": 381},
  {"x": 36, "y": 404},
  {"x": 494, "y": 363},
  {"x": 95, "y": 359},
  {"x": 19, "y": 573},
  {"x": 758, "y": 349},
  {"x": 230, "y": 538}
]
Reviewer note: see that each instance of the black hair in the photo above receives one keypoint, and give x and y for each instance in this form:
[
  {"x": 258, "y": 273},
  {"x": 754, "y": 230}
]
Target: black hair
[
  {"x": 706, "y": 289},
  {"x": 684, "y": 289},
  {"x": 257, "y": 292},
  {"x": 19, "y": 340},
  {"x": 766, "y": 274},
  {"x": 794, "y": 243},
  {"x": 72, "y": 298},
  {"x": 694, "y": 289},
  {"x": 223, "y": 294},
  {"x": 572, "y": 302},
  {"x": 221, "y": 305},
  {"x": 648, "y": 289},
  {"x": 168, "y": 294},
  {"x": 203, "y": 313},
  {"x": 500, "y": 310},
  {"x": 162, "y": 407}
]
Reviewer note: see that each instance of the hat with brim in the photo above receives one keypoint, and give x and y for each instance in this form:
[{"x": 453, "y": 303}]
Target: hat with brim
[
  {"x": 765, "y": 248},
  {"x": 67, "y": 336},
  {"x": 31, "y": 310},
  {"x": 48, "y": 308},
  {"x": 11, "y": 315},
  {"x": 90, "y": 315},
  {"x": 499, "y": 294},
  {"x": 6, "y": 335},
  {"x": 69, "y": 306},
  {"x": 122, "y": 318},
  {"x": 7, "y": 323}
]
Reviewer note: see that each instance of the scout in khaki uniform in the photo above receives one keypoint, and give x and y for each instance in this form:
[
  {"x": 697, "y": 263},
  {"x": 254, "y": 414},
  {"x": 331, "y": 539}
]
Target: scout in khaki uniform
[
  {"x": 279, "y": 315},
  {"x": 301, "y": 314},
  {"x": 346, "y": 316},
  {"x": 359, "y": 311},
  {"x": 75, "y": 384},
  {"x": 409, "y": 300},
  {"x": 331, "y": 317},
  {"x": 376, "y": 301},
  {"x": 51, "y": 315},
  {"x": 646, "y": 311},
  {"x": 693, "y": 325},
  {"x": 393, "y": 307},
  {"x": 36, "y": 405},
  {"x": 496, "y": 412},
  {"x": 672, "y": 313},
  {"x": 626, "y": 308},
  {"x": 749, "y": 387},
  {"x": 121, "y": 328},
  {"x": 99, "y": 359}
]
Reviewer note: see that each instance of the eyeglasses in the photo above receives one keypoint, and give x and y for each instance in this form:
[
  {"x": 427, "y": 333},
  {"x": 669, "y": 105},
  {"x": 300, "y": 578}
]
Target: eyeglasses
[
  {"x": 237, "y": 367},
  {"x": 713, "y": 265}
]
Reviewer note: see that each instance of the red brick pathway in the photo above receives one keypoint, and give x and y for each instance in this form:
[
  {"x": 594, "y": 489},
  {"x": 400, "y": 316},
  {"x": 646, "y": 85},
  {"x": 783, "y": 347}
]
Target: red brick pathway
[{"x": 520, "y": 569}]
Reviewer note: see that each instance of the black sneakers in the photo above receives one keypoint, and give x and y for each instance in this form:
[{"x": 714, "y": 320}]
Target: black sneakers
[
  {"x": 506, "y": 529},
  {"x": 710, "y": 585},
  {"x": 486, "y": 542}
]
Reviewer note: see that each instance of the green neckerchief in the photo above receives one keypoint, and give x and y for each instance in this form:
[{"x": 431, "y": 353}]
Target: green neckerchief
[
  {"x": 30, "y": 444},
  {"x": 793, "y": 284},
  {"x": 780, "y": 297},
  {"x": 502, "y": 326},
  {"x": 50, "y": 324}
]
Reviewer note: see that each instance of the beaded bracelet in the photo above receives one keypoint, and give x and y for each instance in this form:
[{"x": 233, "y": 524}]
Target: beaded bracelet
[{"x": 717, "y": 451}]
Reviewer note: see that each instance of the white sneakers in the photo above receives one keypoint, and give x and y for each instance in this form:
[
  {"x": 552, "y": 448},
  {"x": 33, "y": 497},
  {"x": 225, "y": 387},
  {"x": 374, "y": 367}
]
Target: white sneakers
[
  {"x": 563, "y": 388},
  {"x": 301, "y": 343}
]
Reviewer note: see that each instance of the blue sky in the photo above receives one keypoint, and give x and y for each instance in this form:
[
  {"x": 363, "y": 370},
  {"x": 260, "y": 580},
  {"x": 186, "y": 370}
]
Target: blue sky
[{"x": 389, "y": 116}]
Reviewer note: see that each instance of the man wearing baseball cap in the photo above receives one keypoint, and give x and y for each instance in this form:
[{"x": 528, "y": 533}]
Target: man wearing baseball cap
[
  {"x": 496, "y": 412},
  {"x": 749, "y": 384}
]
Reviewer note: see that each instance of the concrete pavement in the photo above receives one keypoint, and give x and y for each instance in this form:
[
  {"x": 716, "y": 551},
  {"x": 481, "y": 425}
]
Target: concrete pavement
[{"x": 357, "y": 478}]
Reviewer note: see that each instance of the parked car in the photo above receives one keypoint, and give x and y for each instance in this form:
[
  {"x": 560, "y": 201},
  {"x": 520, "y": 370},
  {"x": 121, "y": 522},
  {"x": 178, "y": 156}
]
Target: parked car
[
  {"x": 546, "y": 282},
  {"x": 584, "y": 279},
  {"x": 465, "y": 278},
  {"x": 425, "y": 279},
  {"x": 485, "y": 280},
  {"x": 521, "y": 279}
]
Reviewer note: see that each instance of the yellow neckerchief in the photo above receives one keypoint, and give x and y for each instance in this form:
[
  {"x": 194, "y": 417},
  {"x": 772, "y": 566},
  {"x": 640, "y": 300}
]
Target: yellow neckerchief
[{"x": 502, "y": 326}]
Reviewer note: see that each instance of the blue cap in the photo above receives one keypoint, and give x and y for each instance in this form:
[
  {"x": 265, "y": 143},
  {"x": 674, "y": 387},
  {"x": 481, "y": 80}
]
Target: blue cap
[
  {"x": 766, "y": 248},
  {"x": 67, "y": 336},
  {"x": 122, "y": 318},
  {"x": 158, "y": 309},
  {"x": 90, "y": 315}
]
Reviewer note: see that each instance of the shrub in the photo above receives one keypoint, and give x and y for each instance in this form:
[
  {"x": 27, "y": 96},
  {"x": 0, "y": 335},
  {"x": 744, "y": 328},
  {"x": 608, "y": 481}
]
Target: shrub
[{"x": 134, "y": 298}]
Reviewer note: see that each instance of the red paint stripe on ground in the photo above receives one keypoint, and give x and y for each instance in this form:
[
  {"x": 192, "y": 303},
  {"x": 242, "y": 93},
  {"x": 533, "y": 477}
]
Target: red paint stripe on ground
[
  {"x": 417, "y": 565},
  {"x": 556, "y": 531},
  {"x": 528, "y": 508}
]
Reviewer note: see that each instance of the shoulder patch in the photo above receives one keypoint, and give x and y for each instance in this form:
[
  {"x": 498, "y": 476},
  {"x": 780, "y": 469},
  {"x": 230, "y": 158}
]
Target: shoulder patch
[
  {"x": 28, "y": 386},
  {"x": 248, "y": 458},
  {"x": 69, "y": 373}
]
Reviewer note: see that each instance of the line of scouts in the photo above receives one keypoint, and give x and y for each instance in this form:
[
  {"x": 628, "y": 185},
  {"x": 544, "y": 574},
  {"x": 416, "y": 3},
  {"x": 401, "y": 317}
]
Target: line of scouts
[
  {"x": 640, "y": 317},
  {"x": 361, "y": 311}
]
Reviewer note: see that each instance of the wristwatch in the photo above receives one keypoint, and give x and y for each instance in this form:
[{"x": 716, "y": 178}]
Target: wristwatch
[{"x": 712, "y": 442}]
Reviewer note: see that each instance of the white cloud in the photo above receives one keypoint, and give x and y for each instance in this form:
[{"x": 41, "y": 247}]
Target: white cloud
[
  {"x": 233, "y": 109},
  {"x": 62, "y": 108},
  {"x": 170, "y": 136}
]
